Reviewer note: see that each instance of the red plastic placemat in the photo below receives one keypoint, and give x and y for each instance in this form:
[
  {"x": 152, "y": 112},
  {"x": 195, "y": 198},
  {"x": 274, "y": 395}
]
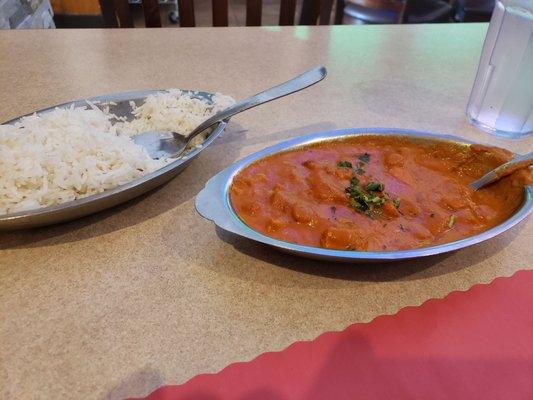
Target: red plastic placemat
[{"x": 476, "y": 344}]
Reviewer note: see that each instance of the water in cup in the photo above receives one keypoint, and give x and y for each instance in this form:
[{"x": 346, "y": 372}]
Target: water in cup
[{"x": 501, "y": 101}]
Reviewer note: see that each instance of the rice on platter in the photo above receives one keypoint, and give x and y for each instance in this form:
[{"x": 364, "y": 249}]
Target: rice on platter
[{"x": 67, "y": 154}]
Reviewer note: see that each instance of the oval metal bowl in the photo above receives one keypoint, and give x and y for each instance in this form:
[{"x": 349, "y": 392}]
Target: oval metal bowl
[
  {"x": 213, "y": 203},
  {"x": 109, "y": 198}
]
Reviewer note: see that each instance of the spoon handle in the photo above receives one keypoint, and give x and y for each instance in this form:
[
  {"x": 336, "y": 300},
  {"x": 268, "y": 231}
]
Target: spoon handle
[
  {"x": 509, "y": 167},
  {"x": 294, "y": 85}
]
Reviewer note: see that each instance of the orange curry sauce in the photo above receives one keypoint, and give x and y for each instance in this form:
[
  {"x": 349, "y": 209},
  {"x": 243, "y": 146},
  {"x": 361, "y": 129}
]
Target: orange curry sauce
[{"x": 418, "y": 195}]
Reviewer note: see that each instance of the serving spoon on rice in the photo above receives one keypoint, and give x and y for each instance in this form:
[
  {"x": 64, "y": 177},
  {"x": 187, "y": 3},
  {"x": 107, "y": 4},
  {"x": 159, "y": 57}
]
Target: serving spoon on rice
[{"x": 167, "y": 144}]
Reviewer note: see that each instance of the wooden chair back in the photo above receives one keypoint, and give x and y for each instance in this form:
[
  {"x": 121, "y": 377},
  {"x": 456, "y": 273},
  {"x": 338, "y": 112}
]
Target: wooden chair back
[
  {"x": 116, "y": 13},
  {"x": 254, "y": 11}
]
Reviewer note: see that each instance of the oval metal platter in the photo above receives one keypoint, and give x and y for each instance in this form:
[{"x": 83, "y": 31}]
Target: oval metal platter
[
  {"x": 213, "y": 203},
  {"x": 109, "y": 198}
]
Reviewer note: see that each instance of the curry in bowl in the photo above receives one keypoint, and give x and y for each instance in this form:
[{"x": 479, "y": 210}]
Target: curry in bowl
[{"x": 376, "y": 193}]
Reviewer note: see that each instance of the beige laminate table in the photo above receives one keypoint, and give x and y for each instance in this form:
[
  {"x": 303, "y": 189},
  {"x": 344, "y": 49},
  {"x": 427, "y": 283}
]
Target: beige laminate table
[{"x": 149, "y": 293}]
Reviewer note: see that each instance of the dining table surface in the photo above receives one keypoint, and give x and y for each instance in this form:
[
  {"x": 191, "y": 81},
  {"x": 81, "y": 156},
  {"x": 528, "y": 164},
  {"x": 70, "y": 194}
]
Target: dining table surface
[{"x": 149, "y": 293}]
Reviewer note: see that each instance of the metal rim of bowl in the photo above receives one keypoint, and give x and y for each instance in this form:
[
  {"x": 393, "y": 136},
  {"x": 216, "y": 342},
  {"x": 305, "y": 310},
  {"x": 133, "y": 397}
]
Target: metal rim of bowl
[
  {"x": 7, "y": 219},
  {"x": 213, "y": 203}
]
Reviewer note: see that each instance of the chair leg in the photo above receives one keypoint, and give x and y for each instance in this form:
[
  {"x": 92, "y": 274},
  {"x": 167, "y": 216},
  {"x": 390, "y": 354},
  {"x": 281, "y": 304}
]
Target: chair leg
[
  {"x": 310, "y": 12},
  {"x": 325, "y": 12},
  {"x": 124, "y": 17},
  {"x": 186, "y": 12},
  {"x": 152, "y": 17},
  {"x": 403, "y": 15},
  {"x": 339, "y": 12},
  {"x": 108, "y": 14}
]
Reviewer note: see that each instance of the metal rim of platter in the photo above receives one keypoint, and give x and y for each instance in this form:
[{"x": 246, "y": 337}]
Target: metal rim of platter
[
  {"x": 108, "y": 198},
  {"x": 213, "y": 203}
]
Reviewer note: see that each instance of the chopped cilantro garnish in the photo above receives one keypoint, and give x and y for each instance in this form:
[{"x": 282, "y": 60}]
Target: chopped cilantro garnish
[
  {"x": 360, "y": 170},
  {"x": 363, "y": 199},
  {"x": 344, "y": 164},
  {"x": 375, "y": 187},
  {"x": 364, "y": 157},
  {"x": 396, "y": 202}
]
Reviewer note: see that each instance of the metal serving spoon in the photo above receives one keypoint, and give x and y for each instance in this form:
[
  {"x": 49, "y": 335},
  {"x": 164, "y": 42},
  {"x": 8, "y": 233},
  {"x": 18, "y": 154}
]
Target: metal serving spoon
[
  {"x": 509, "y": 167},
  {"x": 163, "y": 144}
]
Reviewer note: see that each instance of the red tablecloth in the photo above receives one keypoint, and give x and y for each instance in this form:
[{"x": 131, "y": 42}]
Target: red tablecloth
[{"x": 476, "y": 344}]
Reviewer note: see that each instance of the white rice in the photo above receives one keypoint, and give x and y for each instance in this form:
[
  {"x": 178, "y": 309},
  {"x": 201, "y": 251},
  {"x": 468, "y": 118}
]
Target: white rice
[{"x": 67, "y": 154}]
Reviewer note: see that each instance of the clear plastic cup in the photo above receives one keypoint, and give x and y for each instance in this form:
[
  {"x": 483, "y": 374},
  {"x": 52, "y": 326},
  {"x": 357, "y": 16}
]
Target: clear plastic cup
[{"x": 501, "y": 101}]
